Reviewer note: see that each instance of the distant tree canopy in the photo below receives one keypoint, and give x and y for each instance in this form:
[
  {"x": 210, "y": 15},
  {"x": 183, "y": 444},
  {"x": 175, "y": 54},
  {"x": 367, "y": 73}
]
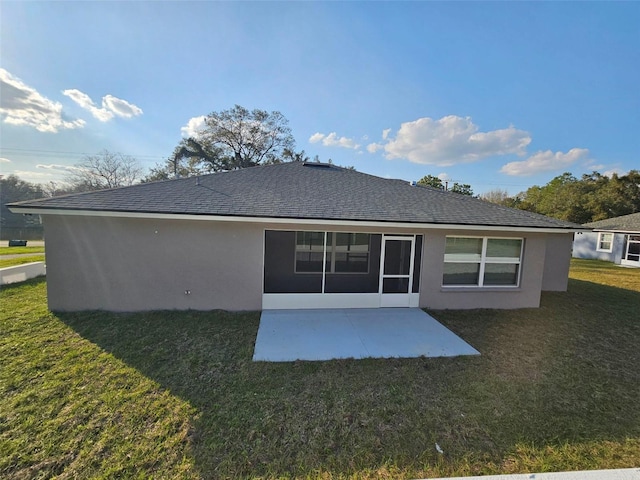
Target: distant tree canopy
[
  {"x": 13, "y": 189},
  {"x": 103, "y": 170},
  {"x": 435, "y": 182},
  {"x": 230, "y": 140},
  {"x": 502, "y": 197},
  {"x": 590, "y": 198}
]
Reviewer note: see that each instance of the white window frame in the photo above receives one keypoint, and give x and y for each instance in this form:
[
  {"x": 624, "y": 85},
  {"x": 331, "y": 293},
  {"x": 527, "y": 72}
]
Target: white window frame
[
  {"x": 487, "y": 260},
  {"x": 330, "y": 248},
  {"x": 601, "y": 240}
]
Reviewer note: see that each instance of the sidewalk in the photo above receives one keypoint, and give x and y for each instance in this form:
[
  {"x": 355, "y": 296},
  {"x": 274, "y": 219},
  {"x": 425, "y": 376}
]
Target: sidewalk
[{"x": 619, "y": 474}]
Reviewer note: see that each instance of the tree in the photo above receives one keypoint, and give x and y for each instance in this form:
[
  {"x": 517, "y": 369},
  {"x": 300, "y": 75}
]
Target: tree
[
  {"x": 462, "y": 188},
  {"x": 13, "y": 189},
  {"x": 190, "y": 158},
  {"x": 592, "y": 197},
  {"x": 501, "y": 197},
  {"x": 238, "y": 138},
  {"x": 231, "y": 139},
  {"x": 104, "y": 170},
  {"x": 431, "y": 181},
  {"x": 435, "y": 182},
  {"x": 289, "y": 155}
]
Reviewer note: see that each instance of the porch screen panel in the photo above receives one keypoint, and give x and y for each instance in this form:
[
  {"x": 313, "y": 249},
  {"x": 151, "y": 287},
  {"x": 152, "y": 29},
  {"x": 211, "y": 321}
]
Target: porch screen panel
[
  {"x": 417, "y": 260},
  {"x": 361, "y": 271},
  {"x": 280, "y": 254}
]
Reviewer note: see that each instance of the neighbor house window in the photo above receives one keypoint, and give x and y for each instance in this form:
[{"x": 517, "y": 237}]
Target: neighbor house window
[
  {"x": 345, "y": 252},
  {"x": 605, "y": 242},
  {"x": 482, "y": 261}
]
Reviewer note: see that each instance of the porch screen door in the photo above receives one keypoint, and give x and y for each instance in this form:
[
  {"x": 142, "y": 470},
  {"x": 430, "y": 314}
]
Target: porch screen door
[{"x": 396, "y": 274}]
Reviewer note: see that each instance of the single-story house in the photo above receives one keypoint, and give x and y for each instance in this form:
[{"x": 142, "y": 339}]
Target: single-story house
[
  {"x": 295, "y": 235},
  {"x": 615, "y": 240}
]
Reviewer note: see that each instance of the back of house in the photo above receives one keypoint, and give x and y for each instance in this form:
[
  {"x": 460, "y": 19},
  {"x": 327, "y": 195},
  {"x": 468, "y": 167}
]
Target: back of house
[{"x": 295, "y": 235}]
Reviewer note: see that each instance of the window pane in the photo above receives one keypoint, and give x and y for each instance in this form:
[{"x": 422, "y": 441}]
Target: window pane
[
  {"x": 605, "y": 241},
  {"x": 310, "y": 241},
  {"x": 461, "y": 274},
  {"x": 309, "y": 262},
  {"x": 501, "y": 274},
  {"x": 352, "y": 242},
  {"x": 504, "y": 248},
  {"x": 463, "y": 249},
  {"x": 351, "y": 253},
  {"x": 352, "y": 262}
]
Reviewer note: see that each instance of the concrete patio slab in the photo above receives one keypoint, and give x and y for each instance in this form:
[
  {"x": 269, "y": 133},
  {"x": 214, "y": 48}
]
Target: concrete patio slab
[{"x": 289, "y": 335}]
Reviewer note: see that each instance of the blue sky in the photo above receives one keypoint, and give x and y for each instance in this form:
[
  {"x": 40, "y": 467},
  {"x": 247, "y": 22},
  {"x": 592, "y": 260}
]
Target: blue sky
[{"x": 496, "y": 95}]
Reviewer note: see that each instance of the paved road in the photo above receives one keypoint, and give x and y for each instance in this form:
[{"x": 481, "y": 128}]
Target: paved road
[{"x": 30, "y": 243}]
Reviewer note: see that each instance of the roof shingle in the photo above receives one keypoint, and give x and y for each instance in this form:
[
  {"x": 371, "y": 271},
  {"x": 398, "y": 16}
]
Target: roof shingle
[
  {"x": 625, "y": 223},
  {"x": 300, "y": 191}
]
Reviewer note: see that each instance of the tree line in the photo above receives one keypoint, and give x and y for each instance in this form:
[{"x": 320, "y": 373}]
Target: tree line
[
  {"x": 241, "y": 138},
  {"x": 591, "y": 197}
]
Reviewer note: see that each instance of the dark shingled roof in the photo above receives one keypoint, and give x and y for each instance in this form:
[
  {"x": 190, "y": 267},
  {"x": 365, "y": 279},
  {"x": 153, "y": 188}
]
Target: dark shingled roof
[
  {"x": 300, "y": 191},
  {"x": 625, "y": 223}
]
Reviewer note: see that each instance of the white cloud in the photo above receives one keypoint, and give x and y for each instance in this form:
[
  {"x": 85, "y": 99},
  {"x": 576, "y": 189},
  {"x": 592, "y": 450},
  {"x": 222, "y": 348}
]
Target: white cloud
[
  {"x": 4, "y": 160},
  {"x": 374, "y": 147},
  {"x": 316, "y": 137},
  {"x": 23, "y": 105},
  {"x": 616, "y": 171},
  {"x": 385, "y": 133},
  {"x": 332, "y": 140},
  {"x": 58, "y": 167},
  {"x": 452, "y": 140},
  {"x": 111, "y": 106},
  {"x": 36, "y": 177},
  {"x": 445, "y": 177},
  {"x": 594, "y": 166},
  {"x": 193, "y": 127},
  {"x": 544, "y": 162},
  {"x": 120, "y": 107}
]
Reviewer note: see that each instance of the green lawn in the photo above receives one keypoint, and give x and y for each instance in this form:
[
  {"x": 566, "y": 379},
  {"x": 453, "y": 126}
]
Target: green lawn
[
  {"x": 11, "y": 262},
  {"x": 20, "y": 250},
  {"x": 175, "y": 395}
]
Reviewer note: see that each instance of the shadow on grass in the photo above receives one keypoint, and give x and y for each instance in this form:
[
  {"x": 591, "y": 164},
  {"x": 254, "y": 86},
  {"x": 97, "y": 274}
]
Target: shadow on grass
[{"x": 565, "y": 373}]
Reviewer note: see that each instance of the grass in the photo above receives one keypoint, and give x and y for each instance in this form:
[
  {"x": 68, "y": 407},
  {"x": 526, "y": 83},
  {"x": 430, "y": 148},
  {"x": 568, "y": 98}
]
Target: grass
[
  {"x": 176, "y": 395},
  {"x": 20, "y": 250},
  {"x": 11, "y": 262}
]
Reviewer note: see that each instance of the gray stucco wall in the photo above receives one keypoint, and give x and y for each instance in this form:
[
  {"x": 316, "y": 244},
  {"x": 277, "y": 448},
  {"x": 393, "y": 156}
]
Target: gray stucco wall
[
  {"x": 585, "y": 245},
  {"x": 124, "y": 264},
  {"x": 434, "y": 295},
  {"x": 557, "y": 261}
]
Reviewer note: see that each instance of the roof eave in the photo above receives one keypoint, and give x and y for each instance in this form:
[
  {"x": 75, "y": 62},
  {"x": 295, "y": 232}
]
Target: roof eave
[{"x": 288, "y": 220}]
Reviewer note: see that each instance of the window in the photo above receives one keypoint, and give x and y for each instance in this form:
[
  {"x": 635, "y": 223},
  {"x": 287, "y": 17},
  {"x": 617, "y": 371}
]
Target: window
[
  {"x": 482, "y": 261},
  {"x": 345, "y": 252},
  {"x": 309, "y": 252},
  {"x": 605, "y": 242},
  {"x": 350, "y": 253}
]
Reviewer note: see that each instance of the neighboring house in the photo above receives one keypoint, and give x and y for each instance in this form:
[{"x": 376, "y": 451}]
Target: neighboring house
[
  {"x": 615, "y": 240},
  {"x": 295, "y": 235}
]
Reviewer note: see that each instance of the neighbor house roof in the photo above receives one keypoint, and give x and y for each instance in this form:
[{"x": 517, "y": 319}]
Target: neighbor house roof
[
  {"x": 625, "y": 223},
  {"x": 297, "y": 190}
]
